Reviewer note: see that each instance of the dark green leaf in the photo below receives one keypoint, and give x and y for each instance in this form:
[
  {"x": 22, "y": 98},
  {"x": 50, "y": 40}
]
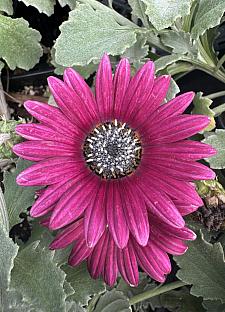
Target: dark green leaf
[
  {"x": 203, "y": 266},
  {"x": 17, "y": 198},
  {"x": 113, "y": 301}
]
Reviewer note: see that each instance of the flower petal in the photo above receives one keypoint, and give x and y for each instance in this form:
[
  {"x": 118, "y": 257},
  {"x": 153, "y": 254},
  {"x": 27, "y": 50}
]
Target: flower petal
[
  {"x": 79, "y": 253},
  {"x": 186, "y": 150},
  {"x": 95, "y": 216},
  {"x": 120, "y": 82},
  {"x": 127, "y": 264},
  {"x": 158, "y": 94},
  {"x": 116, "y": 216},
  {"x": 79, "y": 86},
  {"x": 38, "y": 132},
  {"x": 96, "y": 260},
  {"x": 110, "y": 268},
  {"x": 181, "y": 190},
  {"x": 38, "y": 150},
  {"x": 179, "y": 169},
  {"x": 172, "y": 108},
  {"x": 104, "y": 89},
  {"x": 68, "y": 235},
  {"x": 148, "y": 263},
  {"x": 168, "y": 243},
  {"x": 48, "y": 171},
  {"x": 74, "y": 202},
  {"x": 70, "y": 104},
  {"x": 53, "y": 193},
  {"x": 175, "y": 129},
  {"x": 52, "y": 117},
  {"x": 138, "y": 91},
  {"x": 136, "y": 212}
]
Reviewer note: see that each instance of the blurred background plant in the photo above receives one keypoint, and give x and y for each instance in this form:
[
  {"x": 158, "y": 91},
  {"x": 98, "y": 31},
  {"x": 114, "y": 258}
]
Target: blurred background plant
[{"x": 186, "y": 39}]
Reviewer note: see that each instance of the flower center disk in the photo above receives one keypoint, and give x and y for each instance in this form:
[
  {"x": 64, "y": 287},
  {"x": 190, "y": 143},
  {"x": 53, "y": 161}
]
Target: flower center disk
[{"x": 112, "y": 150}]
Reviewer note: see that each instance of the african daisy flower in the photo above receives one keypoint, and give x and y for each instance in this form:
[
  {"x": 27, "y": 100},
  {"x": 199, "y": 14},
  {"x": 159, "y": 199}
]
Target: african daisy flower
[{"x": 115, "y": 157}]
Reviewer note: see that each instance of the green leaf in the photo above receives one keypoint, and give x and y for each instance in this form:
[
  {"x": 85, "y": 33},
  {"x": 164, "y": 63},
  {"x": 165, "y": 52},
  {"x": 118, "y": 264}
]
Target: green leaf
[
  {"x": 179, "y": 301},
  {"x": 164, "y": 61},
  {"x": 138, "y": 10},
  {"x": 88, "y": 34},
  {"x": 4, "y": 221},
  {"x": 202, "y": 107},
  {"x": 113, "y": 301},
  {"x": 138, "y": 51},
  {"x": 173, "y": 90},
  {"x": 162, "y": 14},
  {"x": 13, "y": 301},
  {"x": 37, "y": 276},
  {"x": 22, "y": 48},
  {"x": 17, "y": 198},
  {"x": 203, "y": 266},
  {"x": 6, "y": 6},
  {"x": 1, "y": 66},
  {"x": 214, "y": 306},
  {"x": 8, "y": 252},
  {"x": 80, "y": 276},
  {"x": 217, "y": 140},
  {"x": 43, "y": 6},
  {"x": 208, "y": 15},
  {"x": 70, "y": 3},
  {"x": 179, "y": 41}
]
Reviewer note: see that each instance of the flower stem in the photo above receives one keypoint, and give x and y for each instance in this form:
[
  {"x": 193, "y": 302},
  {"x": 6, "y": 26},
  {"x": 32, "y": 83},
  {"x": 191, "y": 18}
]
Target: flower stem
[
  {"x": 216, "y": 95},
  {"x": 155, "y": 292}
]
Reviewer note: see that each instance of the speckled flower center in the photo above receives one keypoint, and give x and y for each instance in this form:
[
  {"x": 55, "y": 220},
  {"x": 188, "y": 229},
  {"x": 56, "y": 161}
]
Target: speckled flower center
[{"x": 112, "y": 150}]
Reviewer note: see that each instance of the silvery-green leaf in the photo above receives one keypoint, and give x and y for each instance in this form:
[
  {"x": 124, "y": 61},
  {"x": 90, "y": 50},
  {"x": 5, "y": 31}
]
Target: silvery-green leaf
[
  {"x": 113, "y": 301},
  {"x": 214, "y": 306},
  {"x": 138, "y": 10},
  {"x": 70, "y": 3},
  {"x": 202, "y": 107},
  {"x": 6, "y": 6},
  {"x": 166, "y": 60},
  {"x": 4, "y": 222},
  {"x": 80, "y": 276},
  {"x": 43, "y": 6},
  {"x": 85, "y": 71},
  {"x": 162, "y": 14},
  {"x": 8, "y": 252},
  {"x": 22, "y": 48},
  {"x": 217, "y": 140},
  {"x": 173, "y": 90},
  {"x": 39, "y": 279},
  {"x": 1, "y": 66},
  {"x": 179, "y": 41},
  {"x": 203, "y": 267},
  {"x": 138, "y": 51},
  {"x": 13, "y": 301},
  {"x": 88, "y": 34},
  {"x": 179, "y": 301},
  {"x": 17, "y": 198},
  {"x": 208, "y": 15}
]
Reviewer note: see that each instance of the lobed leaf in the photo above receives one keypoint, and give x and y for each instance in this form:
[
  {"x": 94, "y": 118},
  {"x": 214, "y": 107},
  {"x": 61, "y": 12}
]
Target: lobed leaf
[
  {"x": 17, "y": 198},
  {"x": 22, "y": 48},
  {"x": 216, "y": 139},
  {"x": 37, "y": 276},
  {"x": 8, "y": 252},
  {"x": 88, "y": 34},
  {"x": 80, "y": 276},
  {"x": 113, "y": 301},
  {"x": 6, "y": 6},
  {"x": 162, "y": 14},
  {"x": 208, "y": 15},
  {"x": 203, "y": 266},
  {"x": 43, "y": 6}
]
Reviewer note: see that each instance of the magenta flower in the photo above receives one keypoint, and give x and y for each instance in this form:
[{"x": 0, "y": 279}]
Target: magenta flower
[
  {"x": 113, "y": 160},
  {"x": 107, "y": 260}
]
